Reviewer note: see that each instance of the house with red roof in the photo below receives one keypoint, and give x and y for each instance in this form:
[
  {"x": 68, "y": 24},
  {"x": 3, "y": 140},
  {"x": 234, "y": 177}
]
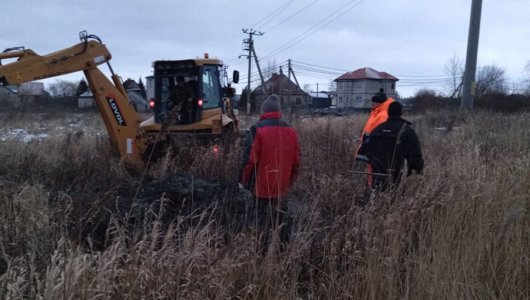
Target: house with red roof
[{"x": 355, "y": 89}]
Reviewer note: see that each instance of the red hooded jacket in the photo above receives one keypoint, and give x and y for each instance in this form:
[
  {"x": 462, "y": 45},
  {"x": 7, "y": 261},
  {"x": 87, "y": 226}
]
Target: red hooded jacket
[{"x": 271, "y": 157}]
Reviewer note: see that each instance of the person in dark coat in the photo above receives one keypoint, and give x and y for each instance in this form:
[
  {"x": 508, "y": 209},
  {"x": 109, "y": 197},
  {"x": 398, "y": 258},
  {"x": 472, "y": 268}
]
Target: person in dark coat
[
  {"x": 182, "y": 99},
  {"x": 389, "y": 145},
  {"x": 271, "y": 160},
  {"x": 378, "y": 115}
]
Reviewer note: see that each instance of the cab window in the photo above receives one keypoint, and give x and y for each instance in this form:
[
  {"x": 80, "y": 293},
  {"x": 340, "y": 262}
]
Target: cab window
[{"x": 211, "y": 90}]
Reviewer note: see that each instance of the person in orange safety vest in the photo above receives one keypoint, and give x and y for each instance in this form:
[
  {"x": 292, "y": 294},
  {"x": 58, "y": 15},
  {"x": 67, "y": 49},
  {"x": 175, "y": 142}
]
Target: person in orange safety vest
[{"x": 378, "y": 115}]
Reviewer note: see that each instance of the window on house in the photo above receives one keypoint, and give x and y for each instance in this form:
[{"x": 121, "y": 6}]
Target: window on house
[
  {"x": 393, "y": 85},
  {"x": 340, "y": 99},
  {"x": 298, "y": 100}
]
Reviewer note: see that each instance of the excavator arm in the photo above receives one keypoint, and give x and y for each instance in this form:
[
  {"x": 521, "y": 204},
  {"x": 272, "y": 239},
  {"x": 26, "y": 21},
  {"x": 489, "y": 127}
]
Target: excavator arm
[{"x": 120, "y": 119}]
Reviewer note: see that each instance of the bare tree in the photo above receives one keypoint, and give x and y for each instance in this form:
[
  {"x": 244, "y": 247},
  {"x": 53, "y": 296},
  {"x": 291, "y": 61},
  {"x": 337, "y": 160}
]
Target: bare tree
[
  {"x": 332, "y": 85},
  {"x": 526, "y": 82},
  {"x": 425, "y": 93},
  {"x": 270, "y": 69},
  {"x": 490, "y": 80},
  {"x": 63, "y": 88},
  {"x": 455, "y": 69},
  {"x": 426, "y": 99},
  {"x": 515, "y": 88},
  {"x": 81, "y": 88}
]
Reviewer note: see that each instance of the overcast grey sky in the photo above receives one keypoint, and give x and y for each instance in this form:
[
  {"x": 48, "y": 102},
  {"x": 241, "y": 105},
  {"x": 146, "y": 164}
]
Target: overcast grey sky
[{"x": 410, "y": 39}]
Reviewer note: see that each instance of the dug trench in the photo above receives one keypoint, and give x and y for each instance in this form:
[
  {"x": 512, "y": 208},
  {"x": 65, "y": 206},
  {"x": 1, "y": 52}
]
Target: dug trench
[{"x": 180, "y": 199}]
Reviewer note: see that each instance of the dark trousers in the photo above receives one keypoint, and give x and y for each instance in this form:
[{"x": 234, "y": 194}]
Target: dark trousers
[{"x": 271, "y": 217}]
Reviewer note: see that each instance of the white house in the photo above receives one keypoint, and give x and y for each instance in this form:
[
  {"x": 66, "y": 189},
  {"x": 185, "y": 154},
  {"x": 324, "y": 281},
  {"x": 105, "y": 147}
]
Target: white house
[
  {"x": 136, "y": 100},
  {"x": 355, "y": 89},
  {"x": 85, "y": 100}
]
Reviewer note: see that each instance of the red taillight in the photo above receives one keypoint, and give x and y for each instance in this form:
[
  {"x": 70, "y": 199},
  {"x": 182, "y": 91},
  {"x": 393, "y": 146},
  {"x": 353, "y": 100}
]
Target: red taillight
[
  {"x": 215, "y": 149},
  {"x": 200, "y": 103},
  {"x": 152, "y": 103}
]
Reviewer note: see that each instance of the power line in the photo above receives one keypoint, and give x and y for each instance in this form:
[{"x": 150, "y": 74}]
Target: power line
[
  {"x": 425, "y": 76},
  {"x": 313, "y": 75},
  {"x": 291, "y": 16},
  {"x": 422, "y": 83},
  {"x": 329, "y": 73},
  {"x": 325, "y": 21},
  {"x": 312, "y": 29},
  {"x": 254, "y": 73},
  {"x": 326, "y": 72},
  {"x": 317, "y": 66},
  {"x": 270, "y": 15},
  {"x": 255, "y": 80},
  {"x": 401, "y": 76},
  {"x": 429, "y": 80},
  {"x": 317, "y": 70}
]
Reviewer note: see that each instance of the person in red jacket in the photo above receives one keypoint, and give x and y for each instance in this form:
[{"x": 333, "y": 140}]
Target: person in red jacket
[
  {"x": 271, "y": 160},
  {"x": 378, "y": 115}
]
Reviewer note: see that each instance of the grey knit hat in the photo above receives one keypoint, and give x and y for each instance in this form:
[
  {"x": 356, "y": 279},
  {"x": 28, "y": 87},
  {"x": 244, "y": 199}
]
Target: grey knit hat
[
  {"x": 271, "y": 104},
  {"x": 379, "y": 97}
]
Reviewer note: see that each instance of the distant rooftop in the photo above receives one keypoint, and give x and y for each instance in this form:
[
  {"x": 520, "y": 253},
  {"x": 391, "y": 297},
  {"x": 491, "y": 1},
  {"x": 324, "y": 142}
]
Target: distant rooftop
[{"x": 366, "y": 73}]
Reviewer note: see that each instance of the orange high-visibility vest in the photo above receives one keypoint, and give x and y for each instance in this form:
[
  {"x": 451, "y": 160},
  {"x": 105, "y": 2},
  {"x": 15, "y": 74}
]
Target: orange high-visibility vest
[{"x": 378, "y": 115}]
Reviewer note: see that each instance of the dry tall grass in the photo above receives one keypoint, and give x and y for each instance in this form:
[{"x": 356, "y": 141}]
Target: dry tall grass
[{"x": 460, "y": 231}]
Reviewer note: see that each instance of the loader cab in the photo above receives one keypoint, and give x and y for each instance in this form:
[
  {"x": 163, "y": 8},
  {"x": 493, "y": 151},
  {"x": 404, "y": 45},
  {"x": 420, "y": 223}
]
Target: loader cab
[{"x": 202, "y": 78}]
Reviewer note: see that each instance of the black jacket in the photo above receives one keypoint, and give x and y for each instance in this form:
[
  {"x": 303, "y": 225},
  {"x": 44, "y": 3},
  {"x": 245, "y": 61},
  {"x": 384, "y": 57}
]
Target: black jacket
[{"x": 390, "y": 144}]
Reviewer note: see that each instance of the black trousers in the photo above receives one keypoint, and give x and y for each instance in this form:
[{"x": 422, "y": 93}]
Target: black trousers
[{"x": 271, "y": 217}]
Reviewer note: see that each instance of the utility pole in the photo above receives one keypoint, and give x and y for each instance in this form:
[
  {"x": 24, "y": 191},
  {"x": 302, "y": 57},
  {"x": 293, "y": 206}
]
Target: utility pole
[
  {"x": 259, "y": 71},
  {"x": 289, "y": 68},
  {"x": 294, "y": 76},
  {"x": 471, "y": 56},
  {"x": 317, "y": 98},
  {"x": 250, "y": 47},
  {"x": 290, "y": 71}
]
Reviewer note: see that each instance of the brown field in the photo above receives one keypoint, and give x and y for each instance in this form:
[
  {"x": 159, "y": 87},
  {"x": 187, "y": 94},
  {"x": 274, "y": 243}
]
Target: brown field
[{"x": 75, "y": 225}]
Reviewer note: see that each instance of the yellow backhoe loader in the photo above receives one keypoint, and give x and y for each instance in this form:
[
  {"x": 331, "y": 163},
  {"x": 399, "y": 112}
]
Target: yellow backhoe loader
[{"x": 210, "y": 112}]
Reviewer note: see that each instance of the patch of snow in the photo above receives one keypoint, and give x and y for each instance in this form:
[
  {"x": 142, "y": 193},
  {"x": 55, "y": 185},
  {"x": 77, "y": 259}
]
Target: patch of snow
[{"x": 22, "y": 135}]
